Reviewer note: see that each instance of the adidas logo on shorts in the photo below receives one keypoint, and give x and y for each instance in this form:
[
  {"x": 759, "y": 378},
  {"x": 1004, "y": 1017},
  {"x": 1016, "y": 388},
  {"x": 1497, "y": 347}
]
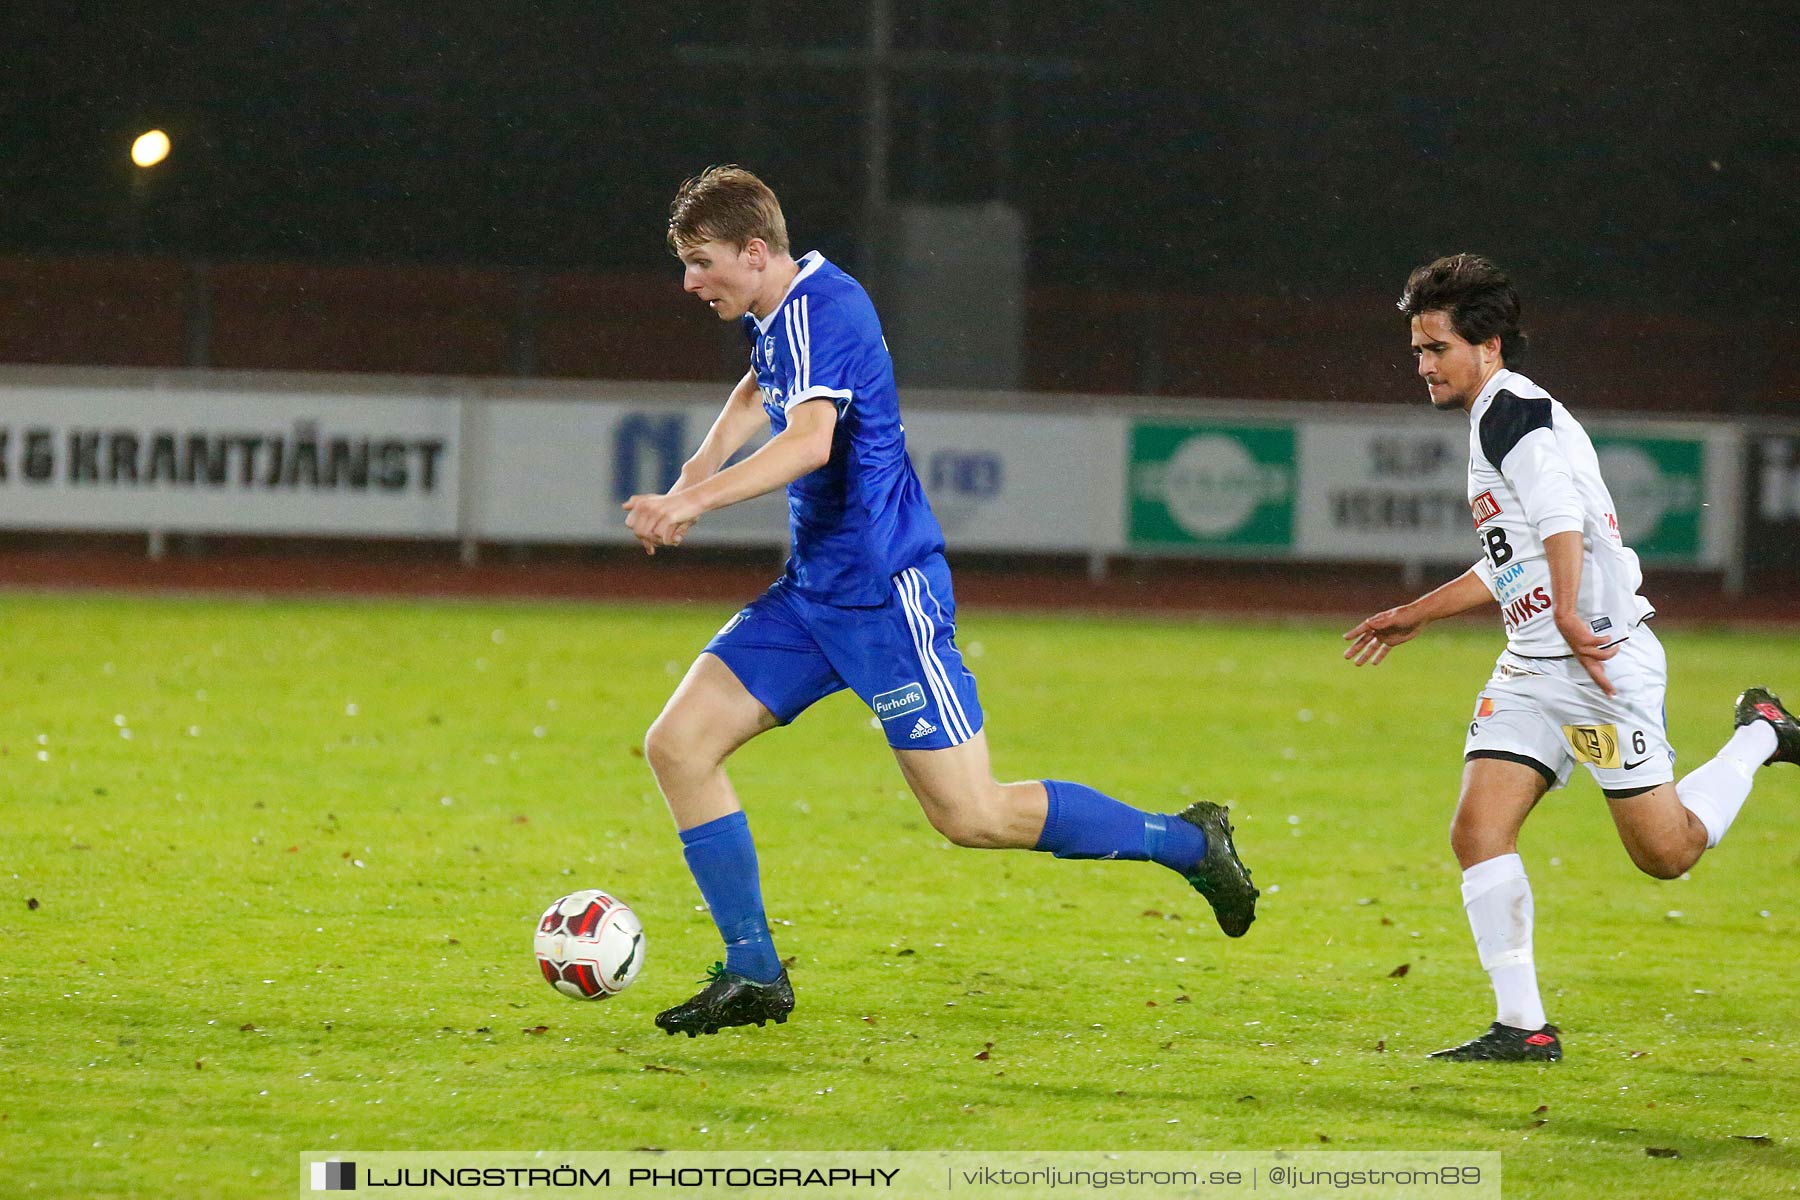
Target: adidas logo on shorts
[{"x": 923, "y": 729}]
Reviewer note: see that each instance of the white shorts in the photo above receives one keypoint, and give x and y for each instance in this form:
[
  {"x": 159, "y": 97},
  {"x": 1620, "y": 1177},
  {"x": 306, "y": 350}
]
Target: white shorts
[{"x": 1548, "y": 714}]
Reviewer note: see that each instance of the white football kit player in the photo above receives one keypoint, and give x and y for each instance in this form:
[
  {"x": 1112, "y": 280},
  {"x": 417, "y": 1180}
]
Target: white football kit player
[{"x": 1533, "y": 473}]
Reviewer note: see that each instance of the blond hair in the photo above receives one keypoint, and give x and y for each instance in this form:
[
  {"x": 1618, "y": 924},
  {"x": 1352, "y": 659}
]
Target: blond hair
[{"x": 726, "y": 204}]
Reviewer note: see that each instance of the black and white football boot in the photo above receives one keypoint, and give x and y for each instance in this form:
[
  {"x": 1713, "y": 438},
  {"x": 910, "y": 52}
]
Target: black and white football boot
[
  {"x": 729, "y": 999},
  {"x": 1760, "y": 704},
  {"x": 1507, "y": 1043},
  {"x": 1220, "y": 875}
]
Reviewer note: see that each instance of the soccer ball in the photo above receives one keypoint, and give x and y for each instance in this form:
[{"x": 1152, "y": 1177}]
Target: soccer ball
[{"x": 589, "y": 945}]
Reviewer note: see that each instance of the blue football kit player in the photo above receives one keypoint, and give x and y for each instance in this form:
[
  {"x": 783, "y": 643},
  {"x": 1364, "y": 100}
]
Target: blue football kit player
[{"x": 865, "y": 603}]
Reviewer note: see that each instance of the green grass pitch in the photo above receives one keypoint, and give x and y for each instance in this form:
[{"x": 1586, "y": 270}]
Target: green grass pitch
[{"x": 269, "y": 872}]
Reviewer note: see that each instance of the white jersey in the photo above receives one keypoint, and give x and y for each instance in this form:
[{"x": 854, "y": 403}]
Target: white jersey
[{"x": 1533, "y": 473}]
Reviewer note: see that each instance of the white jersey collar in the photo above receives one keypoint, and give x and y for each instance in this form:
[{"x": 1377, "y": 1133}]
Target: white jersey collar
[
  {"x": 1492, "y": 387},
  {"x": 811, "y": 261}
]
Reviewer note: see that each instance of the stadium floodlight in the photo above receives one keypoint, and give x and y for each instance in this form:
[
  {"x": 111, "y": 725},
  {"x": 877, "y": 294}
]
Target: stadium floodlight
[{"x": 150, "y": 148}]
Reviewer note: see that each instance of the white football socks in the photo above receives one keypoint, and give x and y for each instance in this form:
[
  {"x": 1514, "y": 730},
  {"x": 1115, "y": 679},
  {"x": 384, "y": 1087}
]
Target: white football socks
[
  {"x": 1716, "y": 790},
  {"x": 1497, "y": 897}
]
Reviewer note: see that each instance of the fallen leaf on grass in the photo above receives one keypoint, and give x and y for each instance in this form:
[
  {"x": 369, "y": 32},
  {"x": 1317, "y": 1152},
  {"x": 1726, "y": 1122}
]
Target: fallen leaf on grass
[
  {"x": 1400, "y": 971},
  {"x": 536, "y": 1029},
  {"x": 1662, "y": 1152},
  {"x": 662, "y": 1070}
]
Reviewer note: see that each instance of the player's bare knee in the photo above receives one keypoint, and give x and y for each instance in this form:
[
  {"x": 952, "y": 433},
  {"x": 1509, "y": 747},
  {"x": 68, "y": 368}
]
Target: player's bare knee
[
  {"x": 965, "y": 820},
  {"x": 1662, "y": 862},
  {"x": 670, "y": 745},
  {"x": 963, "y": 832},
  {"x": 1662, "y": 868},
  {"x": 1472, "y": 843},
  {"x": 953, "y": 823}
]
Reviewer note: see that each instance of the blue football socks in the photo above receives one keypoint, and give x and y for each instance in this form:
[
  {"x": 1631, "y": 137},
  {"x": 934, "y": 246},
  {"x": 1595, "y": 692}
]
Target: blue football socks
[
  {"x": 1083, "y": 823},
  {"x": 723, "y": 860}
]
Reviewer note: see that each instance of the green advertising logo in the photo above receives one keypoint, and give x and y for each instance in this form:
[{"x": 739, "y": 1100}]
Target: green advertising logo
[
  {"x": 1659, "y": 485},
  {"x": 1212, "y": 485}
]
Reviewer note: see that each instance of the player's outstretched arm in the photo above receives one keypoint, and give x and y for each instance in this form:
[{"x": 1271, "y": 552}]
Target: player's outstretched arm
[
  {"x": 804, "y": 446},
  {"x": 1373, "y": 637},
  {"x": 736, "y": 424}
]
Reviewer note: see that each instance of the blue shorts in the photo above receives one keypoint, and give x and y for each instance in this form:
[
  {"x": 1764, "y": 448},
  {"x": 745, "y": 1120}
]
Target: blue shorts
[{"x": 901, "y": 657}]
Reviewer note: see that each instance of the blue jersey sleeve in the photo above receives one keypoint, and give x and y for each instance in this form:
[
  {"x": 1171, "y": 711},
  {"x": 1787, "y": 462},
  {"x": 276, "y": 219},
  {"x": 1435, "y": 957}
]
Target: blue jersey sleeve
[{"x": 826, "y": 348}]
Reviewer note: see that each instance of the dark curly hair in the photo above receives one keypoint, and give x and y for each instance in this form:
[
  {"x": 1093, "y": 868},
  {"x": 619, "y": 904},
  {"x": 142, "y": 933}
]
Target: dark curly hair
[{"x": 1476, "y": 295}]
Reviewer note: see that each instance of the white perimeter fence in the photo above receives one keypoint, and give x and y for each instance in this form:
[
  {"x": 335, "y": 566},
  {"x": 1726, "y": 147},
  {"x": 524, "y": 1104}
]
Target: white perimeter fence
[{"x": 483, "y": 462}]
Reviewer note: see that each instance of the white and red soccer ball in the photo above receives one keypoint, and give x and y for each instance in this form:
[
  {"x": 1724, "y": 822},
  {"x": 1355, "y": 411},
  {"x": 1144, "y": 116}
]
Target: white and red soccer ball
[{"x": 589, "y": 945}]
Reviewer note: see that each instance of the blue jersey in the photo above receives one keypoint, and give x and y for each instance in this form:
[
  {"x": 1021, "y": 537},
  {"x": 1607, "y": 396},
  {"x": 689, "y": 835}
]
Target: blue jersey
[{"x": 862, "y": 518}]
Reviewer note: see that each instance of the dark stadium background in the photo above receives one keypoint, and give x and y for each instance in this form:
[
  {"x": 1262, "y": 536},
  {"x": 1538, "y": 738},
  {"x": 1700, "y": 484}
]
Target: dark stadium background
[{"x": 1219, "y": 198}]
